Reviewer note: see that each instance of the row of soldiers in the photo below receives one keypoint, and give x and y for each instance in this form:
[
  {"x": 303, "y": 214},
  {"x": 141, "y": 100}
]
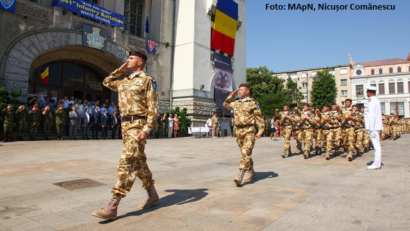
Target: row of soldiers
[
  {"x": 33, "y": 118},
  {"x": 394, "y": 127},
  {"x": 333, "y": 127}
]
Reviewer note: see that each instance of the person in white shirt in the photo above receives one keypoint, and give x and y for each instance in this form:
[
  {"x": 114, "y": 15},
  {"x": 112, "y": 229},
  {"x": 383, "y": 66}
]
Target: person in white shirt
[
  {"x": 170, "y": 125},
  {"x": 80, "y": 108},
  {"x": 209, "y": 125},
  {"x": 373, "y": 123}
]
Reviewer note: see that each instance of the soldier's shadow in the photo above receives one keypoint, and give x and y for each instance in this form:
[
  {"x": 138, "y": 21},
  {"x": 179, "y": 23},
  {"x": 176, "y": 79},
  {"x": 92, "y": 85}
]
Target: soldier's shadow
[
  {"x": 261, "y": 176},
  {"x": 179, "y": 197}
]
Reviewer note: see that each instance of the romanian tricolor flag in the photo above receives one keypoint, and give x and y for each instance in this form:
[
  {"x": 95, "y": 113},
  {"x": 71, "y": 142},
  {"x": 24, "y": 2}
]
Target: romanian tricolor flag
[
  {"x": 44, "y": 74},
  {"x": 226, "y": 23}
]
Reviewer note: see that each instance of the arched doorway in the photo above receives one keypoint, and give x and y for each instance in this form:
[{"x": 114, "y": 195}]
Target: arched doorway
[{"x": 69, "y": 78}]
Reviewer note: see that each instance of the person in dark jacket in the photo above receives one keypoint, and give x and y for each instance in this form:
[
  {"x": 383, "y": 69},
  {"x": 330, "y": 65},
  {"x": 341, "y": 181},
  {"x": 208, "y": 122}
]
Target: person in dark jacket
[
  {"x": 115, "y": 122},
  {"x": 104, "y": 124},
  {"x": 85, "y": 123},
  {"x": 95, "y": 122}
]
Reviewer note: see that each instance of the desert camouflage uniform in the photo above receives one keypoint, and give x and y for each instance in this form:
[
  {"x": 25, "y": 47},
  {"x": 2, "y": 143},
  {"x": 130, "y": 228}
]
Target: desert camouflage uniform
[
  {"x": 317, "y": 133},
  {"x": 360, "y": 131},
  {"x": 47, "y": 122},
  {"x": 8, "y": 122},
  {"x": 349, "y": 136},
  {"x": 385, "y": 132},
  {"x": 35, "y": 118},
  {"x": 247, "y": 114},
  {"x": 136, "y": 97},
  {"x": 215, "y": 126},
  {"x": 286, "y": 129},
  {"x": 22, "y": 118},
  {"x": 408, "y": 126},
  {"x": 308, "y": 121},
  {"x": 337, "y": 130},
  {"x": 61, "y": 120},
  {"x": 393, "y": 128},
  {"x": 327, "y": 134},
  {"x": 297, "y": 132}
]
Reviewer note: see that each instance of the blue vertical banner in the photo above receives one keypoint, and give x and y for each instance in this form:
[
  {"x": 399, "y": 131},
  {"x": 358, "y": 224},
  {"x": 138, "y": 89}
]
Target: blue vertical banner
[
  {"x": 9, "y": 5},
  {"x": 151, "y": 46}
]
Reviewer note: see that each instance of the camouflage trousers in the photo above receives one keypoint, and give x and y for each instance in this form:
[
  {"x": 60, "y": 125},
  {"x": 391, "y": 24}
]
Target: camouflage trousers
[
  {"x": 384, "y": 134},
  {"x": 21, "y": 128},
  {"x": 317, "y": 135},
  {"x": 47, "y": 128},
  {"x": 297, "y": 135},
  {"x": 133, "y": 163},
  {"x": 286, "y": 132},
  {"x": 394, "y": 132},
  {"x": 327, "y": 138},
  {"x": 245, "y": 137},
  {"x": 214, "y": 130},
  {"x": 8, "y": 127},
  {"x": 366, "y": 137},
  {"x": 60, "y": 129},
  {"x": 157, "y": 130},
  {"x": 349, "y": 138},
  {"x": 337, "y": 136},
  {"x": 306, "y": 136},
  {"x": 359, "y": 138},
  {"x": 34, "y": 128},
  {"x": 164, "y": 129}
]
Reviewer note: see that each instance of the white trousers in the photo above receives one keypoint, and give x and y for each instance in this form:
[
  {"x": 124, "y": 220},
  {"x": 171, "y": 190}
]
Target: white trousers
[{"x": 377, "y": 150}]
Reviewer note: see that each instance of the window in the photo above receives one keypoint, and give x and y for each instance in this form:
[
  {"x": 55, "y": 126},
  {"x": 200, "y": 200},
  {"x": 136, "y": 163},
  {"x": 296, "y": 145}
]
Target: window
[
  {"x": 373, "y": 85},
  {"x": 343, "y": 82},
  {"x": 382, "y": 105},
  {"x": 380, "y": 71},
  {"x": 305, "y": 94},
  {"x": 400, "y": 107},
  {"x": 381, "y": 88},
  {"x": 314, "y": 73},
  {"x": 359, "y": 89},
  {"x": 393, "y": 108},
  {"x": 408, "y": 85},
  {"x": 133, "y": 16},
  {"x": 399, "y": 69},
  {"x": 400, "y": 88},
  {"x": 358, "y": 72},
  {"x": 304, "y": 85},
  {"x": 343, "y": 103},
  {"x": 343, "y": 71},
  {"x": 391, "y": 88},
  {"x": 391, "y": 70},
  {"x": 344, "y": 92},
  {"x": 304, "y": 74},
  {"x": 373, "y": 72}
]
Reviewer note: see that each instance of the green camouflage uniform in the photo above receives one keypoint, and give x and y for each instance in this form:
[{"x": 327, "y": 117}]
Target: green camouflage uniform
[
  {"x": 47, "y": 123},
  {"x": 35, "y": 118},
  {"x": 158, "y": 127},
  {"x": 8, "y": 122},
  {"x": 22, "y": 119},
  {"x": 164, "y": 127},
  {"x": 61, "y": 119}
]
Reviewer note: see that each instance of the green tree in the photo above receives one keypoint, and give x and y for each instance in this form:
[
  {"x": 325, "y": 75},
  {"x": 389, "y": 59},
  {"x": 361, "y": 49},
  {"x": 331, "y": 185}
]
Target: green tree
[
  {"x": 269, "y": 102},
  {"x": 261, "y": 82},
  {"x": 324, "y": 90}
]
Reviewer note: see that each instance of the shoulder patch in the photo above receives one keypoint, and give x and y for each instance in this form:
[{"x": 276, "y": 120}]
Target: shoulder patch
[{"x": 154, "y": 83}]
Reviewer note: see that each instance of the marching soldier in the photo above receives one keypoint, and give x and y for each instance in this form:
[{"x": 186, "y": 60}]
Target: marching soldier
[
  {"x": 386, "y": 127},
  {"x": 327, "y": 134},
  {"x": 61, "y": 119},
  {"x": 393, "y": 125},
  {"x": 215, "y": 123},
  {"x": 22, "y": 118},
  {"x": 317, "y": 131},
  {"x": 9, "y": 115},
  {"x": 47, "y": 121},
  {"x": 296, "y": 129},
  {"x": 247, "y": 114},
  {"x": 308, "y": 121},
  {"x": 366, "y": 138},
  {"x": 358, "y": 129},
  {"x": 349, "y": 135},
  {"x": 286, "y": 128},
  {"x": 138, "y": 103},
  {"x": 336, "y": 128},
  {"x": 35, "y": 118}
]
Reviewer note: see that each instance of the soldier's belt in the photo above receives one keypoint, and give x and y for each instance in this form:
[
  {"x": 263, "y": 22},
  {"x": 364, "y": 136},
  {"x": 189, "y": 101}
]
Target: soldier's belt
[
  {"x": 132, "y": 118},
  {"x": 244, "y": 126}
]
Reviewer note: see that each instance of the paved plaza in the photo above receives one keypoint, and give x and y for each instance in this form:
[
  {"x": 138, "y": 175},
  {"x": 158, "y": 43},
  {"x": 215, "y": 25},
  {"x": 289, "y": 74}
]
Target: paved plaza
[{"x": 55, "y": 185}]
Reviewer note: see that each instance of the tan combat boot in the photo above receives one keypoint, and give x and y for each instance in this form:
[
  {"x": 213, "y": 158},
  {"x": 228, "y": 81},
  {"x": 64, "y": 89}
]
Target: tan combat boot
[
  {"x": 289, "y": 153},
  {"x": 298, "y": 151},
  {"x": 318, "y": 150},
  {"x": 366, "y": 148},
  {"x": 238, "y": 179},
  {"x": 283, "y": 154},
  {"x": 251, "y": 175},
  {"x": 336, "y": 152},
  {"x": 110, "y": 211},
  {"x": 350, "y": 156},
  {"x": 306, "y": 154},
  {"x": 357, "y": 151},
  {"x": 327, "y": 156},
  {"x": 151, "y": 200}
]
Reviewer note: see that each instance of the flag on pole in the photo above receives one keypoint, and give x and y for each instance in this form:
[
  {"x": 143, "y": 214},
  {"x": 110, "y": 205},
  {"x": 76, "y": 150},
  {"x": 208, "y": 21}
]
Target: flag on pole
[
  {"x": 44, "y": 74},
  {"x": 147, "y": 26}
]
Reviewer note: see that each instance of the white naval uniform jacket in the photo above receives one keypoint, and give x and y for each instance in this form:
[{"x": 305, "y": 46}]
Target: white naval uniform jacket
[{"x": 373, "y": 115}]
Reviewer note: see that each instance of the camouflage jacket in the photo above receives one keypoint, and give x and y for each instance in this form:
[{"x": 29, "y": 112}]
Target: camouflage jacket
[
  {"x": 282, "y": 115},
  {"x": 8, "y": 115},
  {"x": 385, "y": 121},
  {"x": 246, "y": 113},
  {"x": 296, "y": 121},
  {"x": 35, "y": 116},
  {"x": 48, "y": 116},
  {"x": 61, "y": 116},
  {"x": 336, "y": 123},
  {"x": 346, "y": 123},
  {"x": 359, "y": 120},
  {"x": 21, "y": 115},
  {"x": 308, "y": 120},
  {"x": 215, "y": 121},
  {"x": 327, "y": 119},
  {"x": 136, "y": 97}
]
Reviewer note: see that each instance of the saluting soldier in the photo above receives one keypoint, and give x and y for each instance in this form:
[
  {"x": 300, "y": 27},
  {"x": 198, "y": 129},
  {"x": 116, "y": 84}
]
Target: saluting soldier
[
  {"x": 247, "y": 114},
  {"x": 296, "y": 129},
  {"x": 286, "y": 128},
  {"x": 22, "y": 119},
  {"x": 349, "y": 136},
  {"x": 327, "y": 134},
  {"x": 61, "y": 119},
  {"x": 138, "y": 103},
  {"x": 35, "y": 118},
  {"x": 9, "y": 115},
  {"x": 308, "y": 121},
  {"x": 47, "y": 121}
]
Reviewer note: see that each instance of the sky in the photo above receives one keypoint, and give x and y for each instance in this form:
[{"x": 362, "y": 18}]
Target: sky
[{"x": 291, "y": 40}]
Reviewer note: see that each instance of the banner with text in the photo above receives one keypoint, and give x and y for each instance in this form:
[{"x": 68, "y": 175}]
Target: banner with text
[{"x": 92, "y": 11}]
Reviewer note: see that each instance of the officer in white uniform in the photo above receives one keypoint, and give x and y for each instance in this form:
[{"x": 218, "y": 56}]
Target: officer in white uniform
[{"x": 373, "y": 123}]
